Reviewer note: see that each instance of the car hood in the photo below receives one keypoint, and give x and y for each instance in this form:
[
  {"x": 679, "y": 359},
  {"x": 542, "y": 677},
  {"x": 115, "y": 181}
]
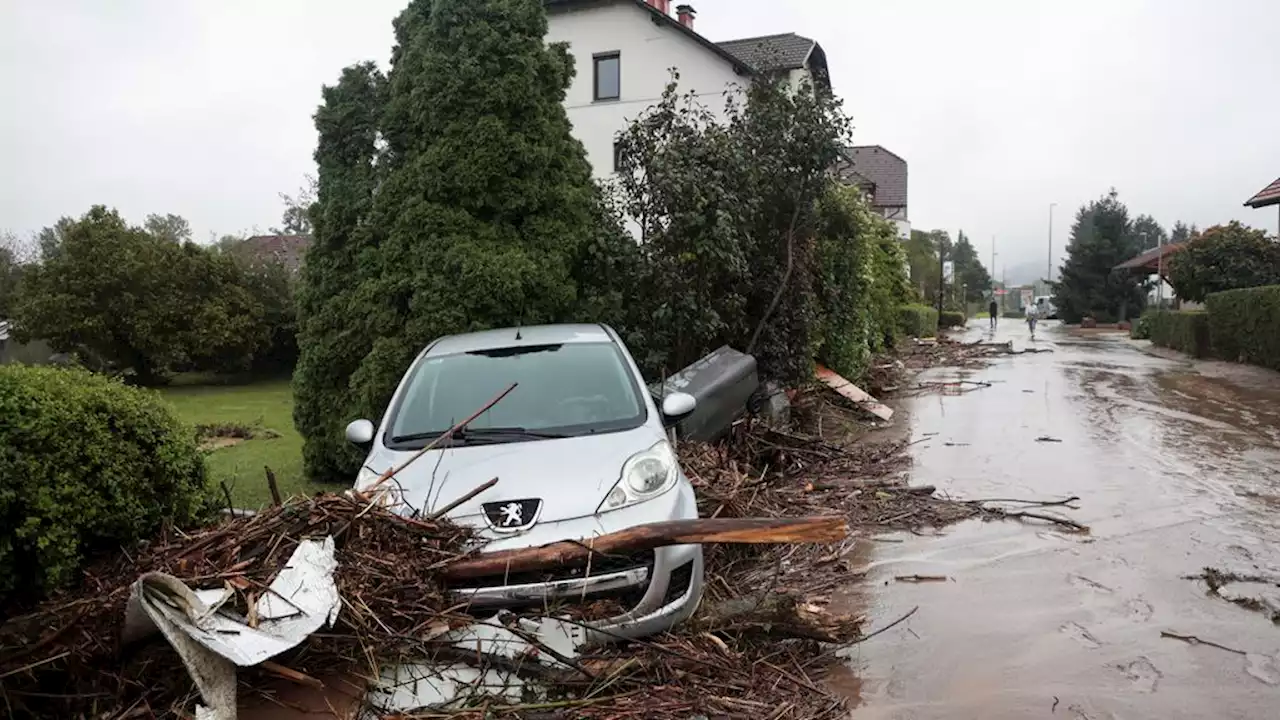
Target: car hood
[{"x": 570, "y": 475}]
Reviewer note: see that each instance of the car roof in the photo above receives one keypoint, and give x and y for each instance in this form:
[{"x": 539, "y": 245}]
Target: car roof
[{"x": 528, "y": 336}]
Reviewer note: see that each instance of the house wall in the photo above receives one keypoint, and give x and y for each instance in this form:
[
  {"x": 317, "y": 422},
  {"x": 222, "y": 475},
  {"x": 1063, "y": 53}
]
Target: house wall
[{"x": 647, "y": 52}]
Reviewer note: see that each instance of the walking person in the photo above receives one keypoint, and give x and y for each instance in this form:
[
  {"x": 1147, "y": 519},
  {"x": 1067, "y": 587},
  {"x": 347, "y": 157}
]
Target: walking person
[
  {"x": 994, "y": 310},
  {"x": 1033, "y": 314}
]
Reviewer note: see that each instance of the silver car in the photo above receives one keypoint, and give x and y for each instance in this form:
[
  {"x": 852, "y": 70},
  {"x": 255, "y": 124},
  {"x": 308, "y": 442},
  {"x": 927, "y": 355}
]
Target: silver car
[{"x": 580, "y": 449}]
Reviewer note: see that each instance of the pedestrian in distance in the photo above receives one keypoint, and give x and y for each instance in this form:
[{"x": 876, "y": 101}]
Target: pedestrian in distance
[
  {"x": 994, "y": 310},
  {"x": 1032, "y": 314}
]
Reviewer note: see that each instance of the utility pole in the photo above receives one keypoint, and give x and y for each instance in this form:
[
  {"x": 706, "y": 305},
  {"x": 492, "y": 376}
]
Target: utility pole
[
  {"x": 1160, "y": 273},
  {"x": 942, "y": 256},
  {"x": 1049, "y": 275},
  {"x": 993, "y": 271}
]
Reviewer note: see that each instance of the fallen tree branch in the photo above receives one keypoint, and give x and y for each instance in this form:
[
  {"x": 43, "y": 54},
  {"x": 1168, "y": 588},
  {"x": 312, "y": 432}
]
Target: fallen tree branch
[
  {"x": 1036, "y": 503},
  {"x": 740, "y": 531},
  {"x": 1039, "y": 516},
  {"x": 1192, "y": 639},
  {"x": 779, "y": 615}
]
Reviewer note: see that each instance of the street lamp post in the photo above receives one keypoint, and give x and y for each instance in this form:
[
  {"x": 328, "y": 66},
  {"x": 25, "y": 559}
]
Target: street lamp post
[{"x": 1049, "y": 275}]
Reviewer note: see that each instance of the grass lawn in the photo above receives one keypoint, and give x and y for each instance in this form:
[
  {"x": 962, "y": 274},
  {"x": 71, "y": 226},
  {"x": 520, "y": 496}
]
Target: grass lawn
[{"x": 265, "y": 406}]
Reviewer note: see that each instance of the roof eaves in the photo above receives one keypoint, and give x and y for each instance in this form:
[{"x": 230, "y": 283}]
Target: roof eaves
[
  {"x": 1269, "y": 195},
  {"x": 660, "y": 18},
  {"x": 881, "y": 148}
]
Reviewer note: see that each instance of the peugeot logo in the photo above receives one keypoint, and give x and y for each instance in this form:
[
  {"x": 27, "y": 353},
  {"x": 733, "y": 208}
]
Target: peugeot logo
[{"x": 512, "y": 515}]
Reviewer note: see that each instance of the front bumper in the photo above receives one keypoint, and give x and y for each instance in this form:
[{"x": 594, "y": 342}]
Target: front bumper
[{"x": 661, "y": 592}]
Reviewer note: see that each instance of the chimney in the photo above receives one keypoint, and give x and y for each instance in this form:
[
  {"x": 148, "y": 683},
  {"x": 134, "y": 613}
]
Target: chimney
[
  {"x": 686, "y": 14},
  {"x": 662, "y": 6}
]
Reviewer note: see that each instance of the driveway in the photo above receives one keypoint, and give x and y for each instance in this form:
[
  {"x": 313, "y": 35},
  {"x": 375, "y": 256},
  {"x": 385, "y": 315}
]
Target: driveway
[{"x": 1177, "y": 465}]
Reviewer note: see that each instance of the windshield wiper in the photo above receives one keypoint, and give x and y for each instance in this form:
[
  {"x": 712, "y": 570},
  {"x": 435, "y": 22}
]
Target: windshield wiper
[
  {"x": 492, "y": 434},
  {"x": 502, "y": 432}
]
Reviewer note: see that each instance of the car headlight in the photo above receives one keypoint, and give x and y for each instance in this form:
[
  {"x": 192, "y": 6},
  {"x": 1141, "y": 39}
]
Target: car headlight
[
  {"x": 387, "y": 494},
  {"x": 645, "y": 475}
]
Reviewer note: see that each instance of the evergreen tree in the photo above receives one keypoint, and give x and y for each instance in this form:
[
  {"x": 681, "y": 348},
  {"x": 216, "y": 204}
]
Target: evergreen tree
[
  {"x": 1148, "y": 233},
  {"x": 970, "y": 273},
  {"x": 1182, "y": 232},
  {"x": 1101, "y": 238},
  {"x": 335, "y": 312},
  {"x": 483, "y": 201}
]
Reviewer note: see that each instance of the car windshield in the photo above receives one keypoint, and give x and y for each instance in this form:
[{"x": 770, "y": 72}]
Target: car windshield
[{"x": 562, "y": 390}]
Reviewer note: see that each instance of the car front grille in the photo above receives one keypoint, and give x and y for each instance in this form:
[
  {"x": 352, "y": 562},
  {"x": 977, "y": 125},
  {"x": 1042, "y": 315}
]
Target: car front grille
[{"x": 601, "y": 564}]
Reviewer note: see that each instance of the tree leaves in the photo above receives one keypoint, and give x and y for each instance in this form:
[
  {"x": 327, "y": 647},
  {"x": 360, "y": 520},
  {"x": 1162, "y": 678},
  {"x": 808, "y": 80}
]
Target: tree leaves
[
  {"x": 125, "y": 299},
  {"x": 1224, "y": 257}
]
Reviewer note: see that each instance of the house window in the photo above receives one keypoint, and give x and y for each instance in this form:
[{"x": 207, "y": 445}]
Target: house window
[
  {"x": 608, "y": 76},
  {"x": 617, "y": 156}
]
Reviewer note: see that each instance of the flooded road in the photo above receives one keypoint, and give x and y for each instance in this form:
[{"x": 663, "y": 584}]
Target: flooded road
[{"x": 1178, "y": 468}]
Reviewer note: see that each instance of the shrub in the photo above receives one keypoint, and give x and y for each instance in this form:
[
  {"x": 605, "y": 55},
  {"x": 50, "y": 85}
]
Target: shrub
[
  {"x": 1186, "y": 332},
  {"x": 88, "y": 464},
  {"x": 1244, "y": 325},
  {"x": 951, "y": 319},
  {"x": 860, "y": 280},
  {"x": 1141, "y": 330},
  {"x": 917, "y": 320}
]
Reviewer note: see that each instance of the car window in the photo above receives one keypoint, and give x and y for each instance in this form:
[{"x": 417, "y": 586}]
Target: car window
[{"x": 571, "y": 389}]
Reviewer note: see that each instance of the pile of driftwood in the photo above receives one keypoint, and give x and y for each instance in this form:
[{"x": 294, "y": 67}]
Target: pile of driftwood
[{"x": 66, "y": 658}]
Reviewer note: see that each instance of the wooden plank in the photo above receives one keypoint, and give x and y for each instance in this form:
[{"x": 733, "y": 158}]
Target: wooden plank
[
  {"x": 854, "y": 393},
  {"x": 742, "y": 531}
]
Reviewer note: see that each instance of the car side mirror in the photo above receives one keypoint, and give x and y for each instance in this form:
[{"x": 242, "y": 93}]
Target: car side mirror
[
  {"x": 677, "y": 406},
  {"x": 360, "y": 432}
]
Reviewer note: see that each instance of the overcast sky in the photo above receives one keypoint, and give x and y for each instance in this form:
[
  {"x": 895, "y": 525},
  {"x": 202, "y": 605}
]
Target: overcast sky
[{"x": 1000, "y": 106}]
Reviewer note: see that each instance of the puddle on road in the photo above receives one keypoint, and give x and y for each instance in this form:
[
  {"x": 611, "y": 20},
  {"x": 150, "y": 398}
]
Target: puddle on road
[{"x": 1176, "y": 472}]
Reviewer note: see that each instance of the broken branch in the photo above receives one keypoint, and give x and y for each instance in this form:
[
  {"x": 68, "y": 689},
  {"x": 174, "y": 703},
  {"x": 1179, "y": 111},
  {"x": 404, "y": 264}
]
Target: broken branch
[{"x": 744, "y": 531}]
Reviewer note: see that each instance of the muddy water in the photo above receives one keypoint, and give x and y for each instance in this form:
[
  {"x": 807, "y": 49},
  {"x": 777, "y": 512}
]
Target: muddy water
[{"x": 1177, "y": 467}]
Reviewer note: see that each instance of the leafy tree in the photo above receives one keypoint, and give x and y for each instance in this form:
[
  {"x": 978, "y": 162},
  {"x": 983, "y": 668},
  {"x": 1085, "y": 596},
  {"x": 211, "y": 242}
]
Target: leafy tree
[
  {"x": 1101, "y": 238},
  {"x": 1224, "y": 257},
  {"x": 49, "y": 239},
  {"x": 1182, "y": 232},
  {"x": 296, "y": 219},
  {"x": 1148, "y": 234},
  {"x": 173, "y": 228},
  {"x": 727, "y": 214},
  {"x": 15, "y": 256},
  {"x": 483, "y": 201},
  {"x": 127, "y": 300},
  {"x": 969, "y": 270},
  {"x": 922, "y": 257}
]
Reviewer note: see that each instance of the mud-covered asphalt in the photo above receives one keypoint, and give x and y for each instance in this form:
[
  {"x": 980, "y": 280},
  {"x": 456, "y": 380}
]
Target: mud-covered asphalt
[{"x": 1177, "y": 465}]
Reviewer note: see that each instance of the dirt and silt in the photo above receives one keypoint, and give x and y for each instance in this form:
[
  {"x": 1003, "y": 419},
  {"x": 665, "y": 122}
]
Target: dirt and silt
[{"x": 927, "y": 610}]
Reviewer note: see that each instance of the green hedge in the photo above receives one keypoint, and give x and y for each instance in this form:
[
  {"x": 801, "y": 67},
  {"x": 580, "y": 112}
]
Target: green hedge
[
  {"x": 86, "y": 464},
  {"x": 917, "y": 321},
  {"x": 1187, "y": 332},
  {"x": 951, "y": 319},
  {"x": 1244, "y": 325}
]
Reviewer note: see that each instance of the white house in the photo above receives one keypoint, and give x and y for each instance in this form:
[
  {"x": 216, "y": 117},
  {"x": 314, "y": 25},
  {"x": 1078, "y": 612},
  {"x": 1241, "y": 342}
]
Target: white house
[{"x": 624, "y": 51}]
